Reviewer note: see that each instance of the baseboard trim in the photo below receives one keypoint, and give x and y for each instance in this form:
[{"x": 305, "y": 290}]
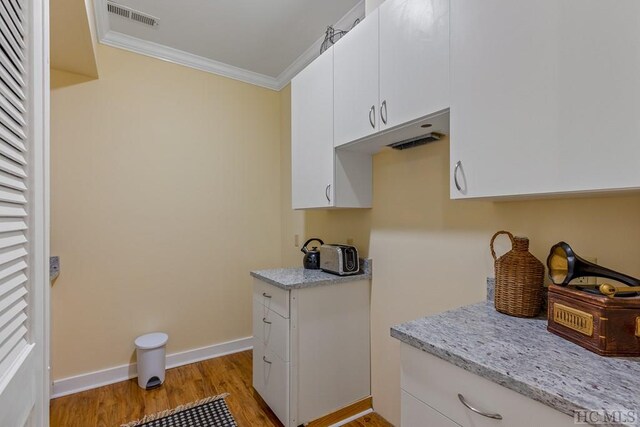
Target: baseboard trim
[
  {"x": 352, "y": 418},
  {"x": 345, "y": 415},
  {"x": 91, "y": 380}
]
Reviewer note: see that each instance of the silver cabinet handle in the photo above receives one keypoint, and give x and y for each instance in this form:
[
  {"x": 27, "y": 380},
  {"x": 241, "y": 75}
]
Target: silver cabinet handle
[
  {"x": 326, "y": 193},
  {"x": 484, "y": 414},
  {"x": 264, "y": 359},
  {"x": 264, "y": 294},
  {"x": 383, "y": 108},
  {"x": 455, "y": 175},
  {"x": 264, "y": 319},
  {"x": 372, "y": 116}
]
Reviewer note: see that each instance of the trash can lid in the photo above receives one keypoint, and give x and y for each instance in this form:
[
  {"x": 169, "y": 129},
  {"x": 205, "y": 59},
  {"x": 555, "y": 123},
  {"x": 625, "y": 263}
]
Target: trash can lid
[{"x": 153, "y": 340}]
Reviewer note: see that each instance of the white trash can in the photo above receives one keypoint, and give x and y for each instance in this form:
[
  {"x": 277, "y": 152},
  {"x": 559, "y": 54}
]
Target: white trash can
[{"x": 151, "y": 351}]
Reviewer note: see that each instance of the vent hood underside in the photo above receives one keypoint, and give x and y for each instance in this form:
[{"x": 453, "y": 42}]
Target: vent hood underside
[{"x": 435, "y": 124}]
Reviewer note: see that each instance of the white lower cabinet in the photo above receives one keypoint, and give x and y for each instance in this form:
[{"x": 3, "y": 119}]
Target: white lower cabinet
[
  {"x": 271, "y": 380},
  {"x": 417, "y": 413},
  {"x": 311, "y": 348},
  {"x": 436, "y": 384}
]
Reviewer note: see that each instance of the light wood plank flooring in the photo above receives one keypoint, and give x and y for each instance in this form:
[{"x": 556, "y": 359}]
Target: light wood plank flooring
[{"x": 119, "y": 403}]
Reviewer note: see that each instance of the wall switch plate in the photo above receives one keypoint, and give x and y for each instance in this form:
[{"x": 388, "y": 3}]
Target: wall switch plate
[
  {"x": 587, "y": 280},
  {"x": 54, "y": 267}
]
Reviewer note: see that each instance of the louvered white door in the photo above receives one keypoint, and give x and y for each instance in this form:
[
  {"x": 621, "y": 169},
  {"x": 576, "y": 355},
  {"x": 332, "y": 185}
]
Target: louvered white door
[{"x": 23, "y": 212}]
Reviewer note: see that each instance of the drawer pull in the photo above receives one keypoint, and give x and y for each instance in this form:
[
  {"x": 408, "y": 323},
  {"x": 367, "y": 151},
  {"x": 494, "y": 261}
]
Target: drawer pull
[
  {"x": 383, "y": 107},
  {"x": 484, "y": 414},
  {"x": 264, "y": 359},
  {"x": 266, "y": 295},
  {"x": 455, "y": 175},
  {"x": 264, "y": 319},
  {"x": 372, "y": 116}
]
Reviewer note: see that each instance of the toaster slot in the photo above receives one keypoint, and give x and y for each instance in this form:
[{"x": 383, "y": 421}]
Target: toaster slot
[{"x": 351, "y": 259}]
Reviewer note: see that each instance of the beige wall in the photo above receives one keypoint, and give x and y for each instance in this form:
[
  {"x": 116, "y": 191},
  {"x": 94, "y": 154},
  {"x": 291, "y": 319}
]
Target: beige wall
[
  {"x": 431, "y": 254},
  {"x": 165, "y": 194}
]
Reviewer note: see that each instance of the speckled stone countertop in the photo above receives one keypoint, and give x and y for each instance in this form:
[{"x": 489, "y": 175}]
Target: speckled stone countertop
[
  {"x": 522, "y": 355},
  {"x": 296, "y": 278}
]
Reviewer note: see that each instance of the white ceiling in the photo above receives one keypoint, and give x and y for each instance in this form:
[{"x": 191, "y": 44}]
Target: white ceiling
[{"x": 261, "y": 36}]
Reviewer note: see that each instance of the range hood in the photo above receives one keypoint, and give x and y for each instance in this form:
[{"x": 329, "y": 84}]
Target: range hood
[{"x": 411, "y": 134}]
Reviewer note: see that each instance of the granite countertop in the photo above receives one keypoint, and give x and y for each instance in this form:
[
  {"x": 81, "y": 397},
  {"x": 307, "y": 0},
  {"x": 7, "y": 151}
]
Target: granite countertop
[
  {"x": 522, "y": 355},
  {"x": 296, "y": 278}
]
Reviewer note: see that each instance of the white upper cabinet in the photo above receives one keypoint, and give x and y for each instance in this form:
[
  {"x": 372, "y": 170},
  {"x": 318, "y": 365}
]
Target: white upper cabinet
[
  {"x": 356, "y": 82},
  {"x": 323, "y": 177},
  {"x": 312, "y": 152},
  {"x": 414, "y": 60},
  {"x": 392, "y": 76},
  {"x": 386, "y": 81},
  {"x": 545, "y": 97}
]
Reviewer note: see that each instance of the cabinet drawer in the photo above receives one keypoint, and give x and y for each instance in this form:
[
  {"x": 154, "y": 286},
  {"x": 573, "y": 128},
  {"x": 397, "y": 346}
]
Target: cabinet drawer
[
  {"x": 271, "y": 330},
  {"x": 271, "y": 381},
  {"x": 437, "y": 383},
  {"x": 272, "y": 297},
  {"x": 418, "y": 414}
]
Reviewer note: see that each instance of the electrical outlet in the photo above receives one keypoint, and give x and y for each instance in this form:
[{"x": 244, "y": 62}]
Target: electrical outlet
[
  {"x": 587, "y": 280},
  {"x": 350, "y": 241},
  {"x": 296, "y": 240}
]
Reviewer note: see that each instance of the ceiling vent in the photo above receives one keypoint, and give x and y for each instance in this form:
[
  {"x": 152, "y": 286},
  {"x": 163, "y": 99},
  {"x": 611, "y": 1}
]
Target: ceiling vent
[{"x": 131, "y": 14}]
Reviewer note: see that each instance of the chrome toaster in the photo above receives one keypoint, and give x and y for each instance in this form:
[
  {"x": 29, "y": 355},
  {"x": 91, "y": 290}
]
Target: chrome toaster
[{"x": 339, "y": 259}]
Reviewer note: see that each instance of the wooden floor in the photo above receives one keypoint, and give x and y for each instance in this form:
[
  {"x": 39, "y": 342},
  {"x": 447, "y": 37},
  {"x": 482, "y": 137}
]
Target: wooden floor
[{"x": 123, "y": 402}]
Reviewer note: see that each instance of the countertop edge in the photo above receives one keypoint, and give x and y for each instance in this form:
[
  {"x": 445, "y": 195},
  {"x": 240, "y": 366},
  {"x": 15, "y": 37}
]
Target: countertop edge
[
  {"x": 553, "y": 401},
  {"x": 300, "y": 278},
  {"x": 333, "y": 281}
]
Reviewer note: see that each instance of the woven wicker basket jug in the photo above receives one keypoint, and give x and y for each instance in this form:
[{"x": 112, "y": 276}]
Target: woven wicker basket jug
[{"x": 519, "y": 279}]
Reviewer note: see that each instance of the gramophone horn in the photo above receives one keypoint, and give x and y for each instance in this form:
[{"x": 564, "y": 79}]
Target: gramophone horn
[{"x": 564, "y": 266}]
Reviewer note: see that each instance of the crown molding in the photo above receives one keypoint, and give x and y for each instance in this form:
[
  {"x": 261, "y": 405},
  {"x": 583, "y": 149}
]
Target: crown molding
[{"x": 175, "y": 56}]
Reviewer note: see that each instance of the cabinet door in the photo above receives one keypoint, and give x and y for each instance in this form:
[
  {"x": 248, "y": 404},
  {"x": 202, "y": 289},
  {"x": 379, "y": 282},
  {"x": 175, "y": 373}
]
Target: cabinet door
[
  {"x": 437, "y": 383},
  {"x": 417, "y": 414},
  {"x": 356, "y": 82},
  {"x": 271, "y": 381},
  {"x": 312, "y": 156},
  {"x": 414, "y": 59},
  {"x": 545, "y": 96},
  {"x": 271, "y": 331}
]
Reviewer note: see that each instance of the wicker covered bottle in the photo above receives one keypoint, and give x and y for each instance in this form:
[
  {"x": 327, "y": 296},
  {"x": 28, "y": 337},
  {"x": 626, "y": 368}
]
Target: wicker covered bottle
[{"x": 519, "y": 279}]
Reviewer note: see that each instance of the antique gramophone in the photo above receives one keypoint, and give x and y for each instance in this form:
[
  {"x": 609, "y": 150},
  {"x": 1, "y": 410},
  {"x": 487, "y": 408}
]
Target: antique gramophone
[{"x": 604, "y": 319}]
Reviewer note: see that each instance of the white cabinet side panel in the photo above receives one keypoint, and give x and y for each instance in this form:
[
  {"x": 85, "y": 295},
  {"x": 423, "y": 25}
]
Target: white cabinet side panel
[
  {"x": 354, "y": 179},
  {"x": 333, "y": 354}
]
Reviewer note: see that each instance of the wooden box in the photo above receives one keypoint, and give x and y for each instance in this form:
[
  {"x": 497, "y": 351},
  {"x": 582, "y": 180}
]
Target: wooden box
[{"x": 607, "y": 326}]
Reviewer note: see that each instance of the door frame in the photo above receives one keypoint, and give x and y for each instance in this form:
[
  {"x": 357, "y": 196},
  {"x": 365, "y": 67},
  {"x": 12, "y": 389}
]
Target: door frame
[{"x": 40, "y": 210}]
